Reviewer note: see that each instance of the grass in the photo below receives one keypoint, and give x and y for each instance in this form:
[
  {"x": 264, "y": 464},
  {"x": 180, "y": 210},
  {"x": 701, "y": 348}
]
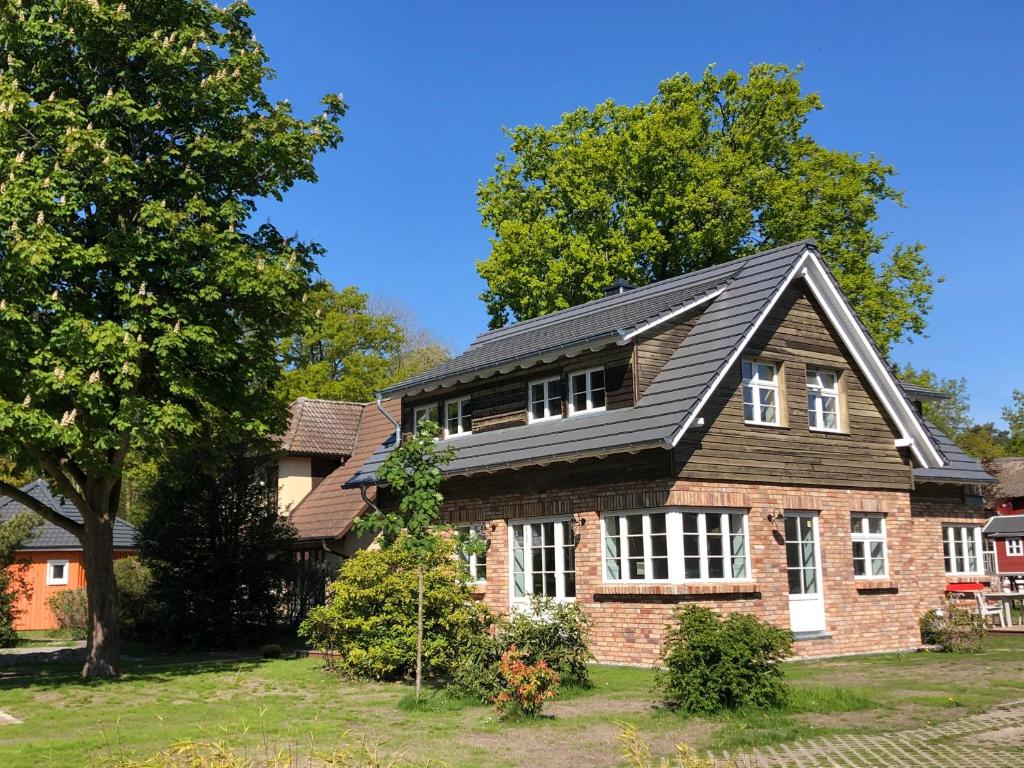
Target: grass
[
  {"x": 291, "y": 703},
  {"x": 43, "y": 638}
]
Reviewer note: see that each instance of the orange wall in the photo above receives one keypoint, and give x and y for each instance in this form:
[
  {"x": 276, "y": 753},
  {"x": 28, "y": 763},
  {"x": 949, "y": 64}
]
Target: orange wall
[{"x": 33, "y": 612}]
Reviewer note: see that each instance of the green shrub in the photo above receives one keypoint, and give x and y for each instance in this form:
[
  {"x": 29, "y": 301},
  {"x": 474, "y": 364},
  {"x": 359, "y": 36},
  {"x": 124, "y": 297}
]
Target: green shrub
[
  {"x": 523, "y": 687},
  {"x": 136, "y": 605},
  {"x": 71, "y": 609},
  {"x": 953, "y": 629},
  {"x": 14, "y": 532},
  {"x": 711, "y": 664},
  {"x": 271, "y": 651},
  {"x": 367, "y": 627},
  {"x": 552, "y": 632}
]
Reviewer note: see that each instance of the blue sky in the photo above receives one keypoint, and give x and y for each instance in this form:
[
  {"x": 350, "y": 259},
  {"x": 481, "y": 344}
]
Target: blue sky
[{"x": 933, "y": 88}]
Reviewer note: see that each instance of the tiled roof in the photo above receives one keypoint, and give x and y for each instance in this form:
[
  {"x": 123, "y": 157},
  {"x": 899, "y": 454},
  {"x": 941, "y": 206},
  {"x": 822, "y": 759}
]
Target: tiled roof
[
  {"x": 1002, "y": 526},
  {"x": 49, "y": 536},
  {"x": 959, "y": 467},
  {"x": 322, "y": 427},
  {"x": 328, "y": 511}
]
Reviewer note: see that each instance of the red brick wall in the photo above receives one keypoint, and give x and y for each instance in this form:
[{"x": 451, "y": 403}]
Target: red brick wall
[{"x": 629, "y": 621}]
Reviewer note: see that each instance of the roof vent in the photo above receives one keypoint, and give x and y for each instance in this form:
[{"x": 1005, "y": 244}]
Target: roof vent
[{"x": 618, "y": 286}]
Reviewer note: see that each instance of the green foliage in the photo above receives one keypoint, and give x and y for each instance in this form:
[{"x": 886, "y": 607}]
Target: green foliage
[
  {"x": 523, "y": 686},
  {"x": 951, "y": 415},
  {"x": 219, "y": 551},
  {"x": 953, "y": 629},
  {"x": 138, "y": 609},
  {"x": 1014, "y": 417},
  {"x": 348, "y": 350},
  {"x": 985, "y": 441},
  {"x": 271, "y": 651},
  {"x": 368, "y": 625},
  {"x": 712, "y": 664},
  {"x": 708, "y": 171},
  {"x": 552, "y": 632},
  {"x": 71, "y": 609},
  {"x": 13, "y": 535}
]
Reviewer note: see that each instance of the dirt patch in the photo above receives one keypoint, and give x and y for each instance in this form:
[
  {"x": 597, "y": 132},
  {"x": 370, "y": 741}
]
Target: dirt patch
[
  {"x": 598, "y": 706},
  {"x": 1011, "y": 736},
  {"x": 6, "y": 719}
]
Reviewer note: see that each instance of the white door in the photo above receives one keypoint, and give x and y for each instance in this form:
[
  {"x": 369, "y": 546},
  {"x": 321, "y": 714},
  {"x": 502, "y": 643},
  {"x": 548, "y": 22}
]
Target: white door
[{"x": 803, "y": 566}]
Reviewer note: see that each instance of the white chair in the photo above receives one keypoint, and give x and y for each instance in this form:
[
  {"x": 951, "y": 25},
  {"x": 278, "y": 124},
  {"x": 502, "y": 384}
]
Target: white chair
[{"x": 989, "y": 610}]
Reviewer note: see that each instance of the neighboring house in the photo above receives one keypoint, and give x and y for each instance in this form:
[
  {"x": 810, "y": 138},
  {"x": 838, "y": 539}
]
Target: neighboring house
[
  {"x": 730, "y": 437},
  {"x": 1005, "y": 531},
  {"x": 54, "y": 556}
]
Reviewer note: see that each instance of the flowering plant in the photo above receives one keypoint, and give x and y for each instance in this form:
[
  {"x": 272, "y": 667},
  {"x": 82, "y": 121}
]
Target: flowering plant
[{"x": 524, "y": 687}]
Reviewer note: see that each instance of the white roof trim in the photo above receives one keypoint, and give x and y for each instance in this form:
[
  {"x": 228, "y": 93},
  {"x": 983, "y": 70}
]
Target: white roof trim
[
  {"x": 673, "y": 314},
  {"x": 877, "y": 373}
]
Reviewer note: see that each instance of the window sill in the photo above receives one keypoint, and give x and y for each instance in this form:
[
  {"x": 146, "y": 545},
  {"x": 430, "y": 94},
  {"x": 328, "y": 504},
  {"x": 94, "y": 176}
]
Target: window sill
[
  {"x": 868, "y": 585},
  {"x": 766, "y": 426},
  {"x": 819, "y": 430},
  {"x": 962, "y": 578},
  {"x": 703, "y": 588}
]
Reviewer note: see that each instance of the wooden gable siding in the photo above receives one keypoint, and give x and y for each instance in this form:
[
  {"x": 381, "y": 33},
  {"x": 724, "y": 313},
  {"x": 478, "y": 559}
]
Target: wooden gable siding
[
  {"x": 501, "y": 401},
  {"x": 654, "y": 348},
  {"x": 796, "y": 334}
]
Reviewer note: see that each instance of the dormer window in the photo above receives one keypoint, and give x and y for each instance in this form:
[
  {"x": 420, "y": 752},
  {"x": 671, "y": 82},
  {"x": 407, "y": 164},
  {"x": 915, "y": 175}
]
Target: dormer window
[
  {"x": 423, "y": 413},
  {"x": 545, "y": 399},
  {"x": 586, "y": 391},
  {"x": 761, "y": 393},
  {"x": 458, "y": 418},
  {"x": 823, "y": 400}
]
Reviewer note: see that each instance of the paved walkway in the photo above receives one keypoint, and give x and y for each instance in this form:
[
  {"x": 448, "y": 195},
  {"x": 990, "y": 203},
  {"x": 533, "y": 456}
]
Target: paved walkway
[{"x": 993, "y": 739}]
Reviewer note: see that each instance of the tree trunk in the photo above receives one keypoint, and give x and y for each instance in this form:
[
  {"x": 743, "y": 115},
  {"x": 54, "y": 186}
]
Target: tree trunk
[
  {"x": 419, "y": 633},
  {"x": 104, "y": 641}
]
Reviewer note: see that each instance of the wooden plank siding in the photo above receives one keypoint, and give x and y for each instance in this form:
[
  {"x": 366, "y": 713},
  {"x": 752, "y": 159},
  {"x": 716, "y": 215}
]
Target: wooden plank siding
[
  {"x": 794, "y": 335},
  {"x": 501, "y": 401},
  {"x": 654, "y": 348}
]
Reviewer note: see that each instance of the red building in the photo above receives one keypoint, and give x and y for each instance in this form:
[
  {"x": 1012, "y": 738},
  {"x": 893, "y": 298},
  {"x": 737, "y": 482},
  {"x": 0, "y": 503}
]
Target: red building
[{"x": 1005, "y": 531}]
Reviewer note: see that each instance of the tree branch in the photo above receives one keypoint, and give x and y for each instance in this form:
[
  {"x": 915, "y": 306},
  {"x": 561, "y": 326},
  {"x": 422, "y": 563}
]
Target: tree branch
[
  {"x": 33, "y": 504},
  {"x": 52, "y": 466}
]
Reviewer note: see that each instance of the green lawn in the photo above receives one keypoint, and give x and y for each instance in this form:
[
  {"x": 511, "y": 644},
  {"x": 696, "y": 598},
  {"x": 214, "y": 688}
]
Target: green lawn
[{"x": 290, "y": 703}]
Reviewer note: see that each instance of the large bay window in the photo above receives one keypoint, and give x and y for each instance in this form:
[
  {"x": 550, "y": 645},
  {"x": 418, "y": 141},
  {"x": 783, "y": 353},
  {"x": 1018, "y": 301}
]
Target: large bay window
[
  {"x": 823, "y": 400},
  {"x": 761, "y": 393},
  {"x": 676, "y": 545},
  {"x": 867, "y": 532},
  {"x": 586, "y": 391},
  {"x": 458, "y": 418},
  {"x": 543, "y": 559},
  {"x": 545, "y": 399},
  {"x": 962, "y": 549}
]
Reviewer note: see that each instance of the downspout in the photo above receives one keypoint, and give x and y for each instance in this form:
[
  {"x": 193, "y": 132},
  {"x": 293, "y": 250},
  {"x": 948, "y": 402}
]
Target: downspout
[{"x": 389, "y": 417}]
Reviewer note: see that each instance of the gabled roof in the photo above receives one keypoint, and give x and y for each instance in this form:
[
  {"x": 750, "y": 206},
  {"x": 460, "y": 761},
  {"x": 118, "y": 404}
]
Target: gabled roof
[
  {"x": 328, "y": 511},
  {"x": 322, "y": 427},
  {"x": 49, "y": 536},
  {"x": 734, "y": 299},
  {"x": 959, "y": 467}
]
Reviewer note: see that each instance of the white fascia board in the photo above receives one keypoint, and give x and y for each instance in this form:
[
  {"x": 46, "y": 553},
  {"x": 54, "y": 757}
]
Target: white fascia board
[
  {"x": 724, "y": 370},
  {"x": 673, "y": 314}
]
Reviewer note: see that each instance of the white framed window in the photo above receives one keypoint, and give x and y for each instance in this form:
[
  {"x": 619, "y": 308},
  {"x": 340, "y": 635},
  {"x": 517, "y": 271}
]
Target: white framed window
[
  {"x": 586, "y": 391},
  {"x": 474, "y": 563},
  {"x": 56, "y": 573},
  {"x": 675, "y": 545},
  {"x": 458, "y": 418},
  {"x": 962, "y": 549},
  {"x": 545, "y": 396},
  {"x": 1015, "y": 547},
  {"x": 823, "y": 400},
  {"x": 761, "y": 393},
  {"x": 870, "y": 548},
  {"x": 423, "y": 413},
  {"x": 543, "y": 559}
]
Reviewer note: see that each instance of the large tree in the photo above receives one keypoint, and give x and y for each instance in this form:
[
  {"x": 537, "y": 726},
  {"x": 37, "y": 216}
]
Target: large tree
[
  {"x": 708, "y": 171},
  {"x": 350, "y": 347},
  {"x": 951, "y": 415},
  {"x": 136, "y": 303}
]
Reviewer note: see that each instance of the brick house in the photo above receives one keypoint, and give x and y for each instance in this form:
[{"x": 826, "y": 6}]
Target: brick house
[
  {"x": 53, "y": 558},
  {"x": 1004, "y": 533},
  {"x": 730, "y": 437}
]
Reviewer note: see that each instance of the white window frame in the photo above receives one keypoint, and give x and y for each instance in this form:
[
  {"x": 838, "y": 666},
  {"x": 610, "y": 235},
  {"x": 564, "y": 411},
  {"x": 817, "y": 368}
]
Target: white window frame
[
  {"x": 562, "y": 523},
  {"x": 546, "y": 383},
  {"x": 756, "y": 385},
  {"x": 648, "y": 546},
  {"x": 819, "y": 392},
  {"x": 674, "y": 531},
  {"x": 1015, "y": 547},
  {"x": 473, "y": 562},
  {"x": 865, "y": 537},
  {"x": 591, "y": 408},
  {"x": 422, "y": 413},
  {"x": 963, "y": 534},
  {"x": 54, "y": 582},
  {"x": 460, "y": 403}
]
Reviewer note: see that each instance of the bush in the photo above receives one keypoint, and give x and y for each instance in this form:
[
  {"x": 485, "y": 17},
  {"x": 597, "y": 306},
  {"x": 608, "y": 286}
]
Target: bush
[
  {"x": 711, "y": 664},
  {"x": 367, "y": 627},
  {"x": 523, "y": 687},
  {"x": 14, "y": 532},
  {"x": 71, "y": 609},
  {"x": 136, "y": 606},
  {"x": 953, "y": 629},
  {"x": 271, "y": 651},
  {"x": 551, "y": 632}
]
